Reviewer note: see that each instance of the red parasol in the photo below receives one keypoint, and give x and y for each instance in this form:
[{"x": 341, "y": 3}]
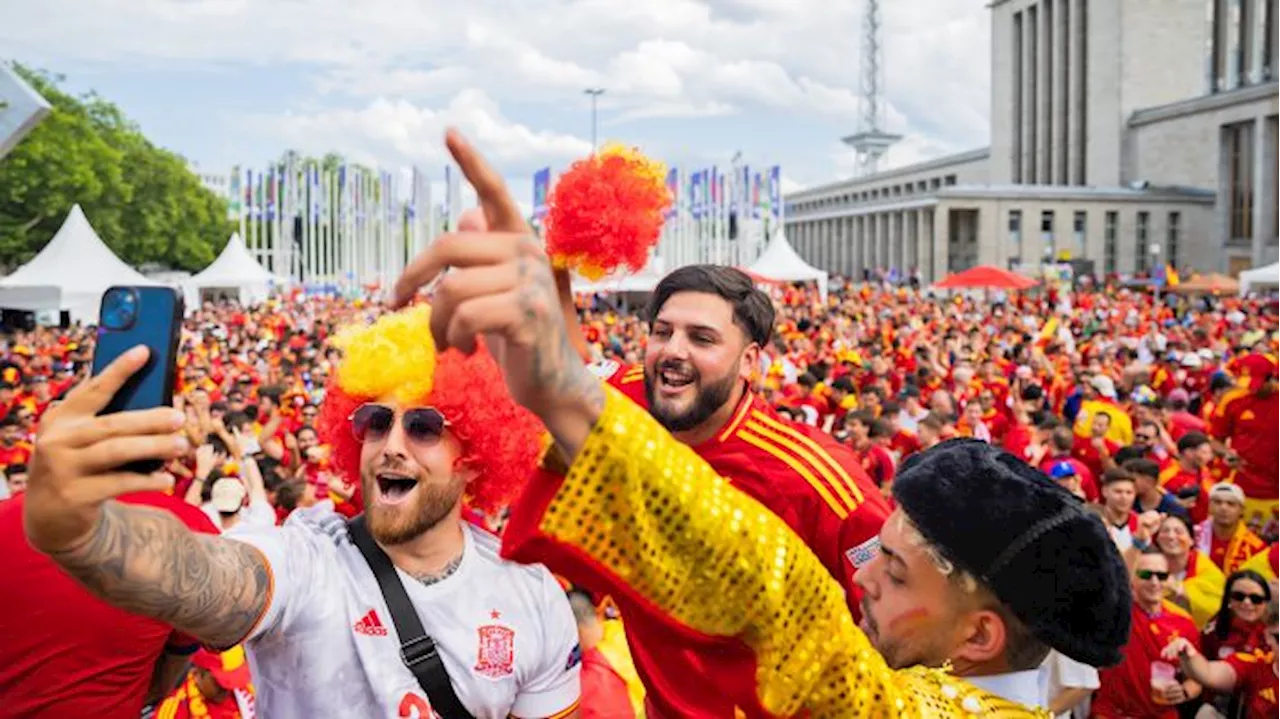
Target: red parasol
[{"x": 986, "y": 277}]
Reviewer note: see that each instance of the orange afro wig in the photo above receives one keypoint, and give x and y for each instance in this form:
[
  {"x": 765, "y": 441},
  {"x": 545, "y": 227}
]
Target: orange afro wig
[
  {"x": 606, "y": 212},
  {"x": 395, "y": 359}
]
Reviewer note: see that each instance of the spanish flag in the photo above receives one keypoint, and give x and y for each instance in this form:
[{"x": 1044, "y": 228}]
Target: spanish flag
[
  {"x": 1047, "y": 331},
  {"x": 1171, "y": 276}
]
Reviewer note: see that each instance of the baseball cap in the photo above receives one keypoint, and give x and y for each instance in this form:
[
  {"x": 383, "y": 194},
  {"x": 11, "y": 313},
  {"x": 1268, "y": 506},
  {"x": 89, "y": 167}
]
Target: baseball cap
[
  {"x": 1255, "y": 369},
  {"x": 228, "y": 495},
  {"x": 1227, "y": 490},
  {"x": 1104, "y": 385},
  {"x": 1062, "y": 470},
  {"x": 229, "y": 669}
]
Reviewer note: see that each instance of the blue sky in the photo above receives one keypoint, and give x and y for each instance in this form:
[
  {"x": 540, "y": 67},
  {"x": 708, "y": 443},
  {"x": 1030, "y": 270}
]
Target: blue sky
[{"x": 228, "y": 82}]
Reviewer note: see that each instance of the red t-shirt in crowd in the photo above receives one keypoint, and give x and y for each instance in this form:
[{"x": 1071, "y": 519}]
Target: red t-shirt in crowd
[
  {"x": 1088, "y": 481},
  {"x": 1249, "y": 422},
  {"x": 604, "y": 693},
  {"x": 19, "y": 453},
  {"x": 1125, "y": 689},
  {"x": 877, "y": 463},
  {"x": 64, "y": 652},
  {"x": 1256, "y": 681}
]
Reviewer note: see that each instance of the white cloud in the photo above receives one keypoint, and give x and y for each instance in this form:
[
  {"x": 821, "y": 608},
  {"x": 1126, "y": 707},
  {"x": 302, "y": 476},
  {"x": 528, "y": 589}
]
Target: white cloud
[
  {"x": 386, "y": 75},
  {"x": 398, "y": 132}
]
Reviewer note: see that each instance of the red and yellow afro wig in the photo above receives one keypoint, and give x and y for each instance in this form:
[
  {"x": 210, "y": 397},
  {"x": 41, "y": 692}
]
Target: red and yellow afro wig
[
  {"x": 606, "y": 212},
  {"x": 395, "y": 359}
]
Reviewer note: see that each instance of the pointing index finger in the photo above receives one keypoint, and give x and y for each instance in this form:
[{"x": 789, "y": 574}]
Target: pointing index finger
[{"x": 500, "y": 209}]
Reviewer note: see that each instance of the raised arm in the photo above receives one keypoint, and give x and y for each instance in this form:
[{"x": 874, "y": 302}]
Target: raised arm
[
  {"x": 644, "y": 510},
  {"x": 564, "y": 290},
  {"x": 139, "y": 559}
]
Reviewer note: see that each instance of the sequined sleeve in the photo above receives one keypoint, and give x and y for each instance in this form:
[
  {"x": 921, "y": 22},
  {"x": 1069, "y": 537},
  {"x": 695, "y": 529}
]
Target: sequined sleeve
[{"x": 656, "y": 520}]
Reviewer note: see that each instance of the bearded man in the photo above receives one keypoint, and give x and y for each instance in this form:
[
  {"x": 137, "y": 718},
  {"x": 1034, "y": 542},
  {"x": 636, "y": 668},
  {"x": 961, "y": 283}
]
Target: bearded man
[{"x": 424, "y": 431}]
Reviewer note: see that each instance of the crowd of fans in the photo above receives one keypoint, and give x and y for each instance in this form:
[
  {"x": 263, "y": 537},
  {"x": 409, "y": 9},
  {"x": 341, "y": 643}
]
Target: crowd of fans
[{"x": 1161, "y": 416}]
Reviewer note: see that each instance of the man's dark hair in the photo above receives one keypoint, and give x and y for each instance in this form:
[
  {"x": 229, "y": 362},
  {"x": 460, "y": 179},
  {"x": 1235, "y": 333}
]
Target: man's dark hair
[
  {"x": 752, "y": 310},
  {"x": 1191, "y": 440},
  {"x": 271, "y": 392},
  {"x": 235, "y": 420},
  {"x": 16, "y": 468},
  {"x": 1142, "y": 465},
  {"x": 1115, "y": 474},
  {"x": 1129, "y": 453}
]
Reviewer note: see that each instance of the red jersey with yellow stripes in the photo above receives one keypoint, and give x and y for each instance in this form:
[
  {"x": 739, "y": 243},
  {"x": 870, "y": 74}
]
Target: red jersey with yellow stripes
[
  {"x": 1247, "y": 421},
  {"x": 811, "y": 481},
  {"x": 805, "y": 477}
]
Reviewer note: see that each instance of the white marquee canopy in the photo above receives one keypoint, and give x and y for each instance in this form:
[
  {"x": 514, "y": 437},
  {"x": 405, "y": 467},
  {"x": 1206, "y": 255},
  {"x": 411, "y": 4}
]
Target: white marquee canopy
[
  {"x": 234, "y": 273},
  {"x": 1268, "y": 276},
  {"x": 69, "y": 274},
  {"x": 780, "y": 263}
]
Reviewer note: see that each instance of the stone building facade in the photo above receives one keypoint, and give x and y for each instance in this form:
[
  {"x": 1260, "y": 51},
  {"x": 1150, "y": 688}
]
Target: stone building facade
[{"x": 1127, "y": 133}]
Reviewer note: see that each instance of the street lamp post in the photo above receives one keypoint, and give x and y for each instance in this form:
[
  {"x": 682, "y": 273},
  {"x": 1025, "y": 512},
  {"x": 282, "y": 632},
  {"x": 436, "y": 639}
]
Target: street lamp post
[
  {"x": 1155, "y": 267},
  {"x": 595, "y": 93}
]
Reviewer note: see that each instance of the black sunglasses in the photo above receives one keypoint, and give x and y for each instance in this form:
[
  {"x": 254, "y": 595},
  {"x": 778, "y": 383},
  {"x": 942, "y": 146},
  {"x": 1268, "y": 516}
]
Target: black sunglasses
[
  {"x": 1247, "y": 597},
  {"x": 1145, "y": 574},
  {"x": 373, "y": 422}
]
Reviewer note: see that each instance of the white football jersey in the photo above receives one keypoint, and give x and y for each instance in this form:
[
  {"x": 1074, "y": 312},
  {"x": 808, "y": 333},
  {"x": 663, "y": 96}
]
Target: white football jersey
[{"x": 326, "y": 645}]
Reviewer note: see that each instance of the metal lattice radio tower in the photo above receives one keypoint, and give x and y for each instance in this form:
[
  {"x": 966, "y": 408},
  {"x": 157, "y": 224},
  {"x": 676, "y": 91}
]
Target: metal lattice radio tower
[{"x": 870, "y": 142}]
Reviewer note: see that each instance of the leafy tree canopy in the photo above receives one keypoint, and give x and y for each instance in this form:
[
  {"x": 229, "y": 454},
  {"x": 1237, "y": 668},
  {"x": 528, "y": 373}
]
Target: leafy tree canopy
[{"x": 143, "y": 200}]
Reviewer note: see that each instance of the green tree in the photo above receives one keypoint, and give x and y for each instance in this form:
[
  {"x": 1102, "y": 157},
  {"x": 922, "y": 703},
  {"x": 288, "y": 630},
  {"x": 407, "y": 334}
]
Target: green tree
[{"x": 143, "y": 200}]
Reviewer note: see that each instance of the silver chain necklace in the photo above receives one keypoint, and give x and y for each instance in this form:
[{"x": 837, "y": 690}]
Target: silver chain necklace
[{"x": 448, "y": 570}]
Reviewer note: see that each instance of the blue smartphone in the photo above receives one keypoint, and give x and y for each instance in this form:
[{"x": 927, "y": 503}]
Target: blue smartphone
[{"x": 132, "y": 316}]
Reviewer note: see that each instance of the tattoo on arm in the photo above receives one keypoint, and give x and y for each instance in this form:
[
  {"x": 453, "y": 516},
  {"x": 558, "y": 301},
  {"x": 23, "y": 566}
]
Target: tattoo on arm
[
  {"x": 145, "y": 561},
  {"x": 562, "y": 367}
]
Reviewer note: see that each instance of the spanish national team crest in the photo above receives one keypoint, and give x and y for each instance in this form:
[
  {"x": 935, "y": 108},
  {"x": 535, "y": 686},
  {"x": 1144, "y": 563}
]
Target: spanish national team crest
[{"x": 495, "y": 658}]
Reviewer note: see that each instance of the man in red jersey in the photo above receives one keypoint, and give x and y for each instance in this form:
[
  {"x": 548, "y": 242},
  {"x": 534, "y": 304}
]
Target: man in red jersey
[
  {"x": 707, "y": 325},
  {"x": 1143, "y": 684},
  {"x": 1244, "y": 426},
  {"x": 67, "y": 653}
]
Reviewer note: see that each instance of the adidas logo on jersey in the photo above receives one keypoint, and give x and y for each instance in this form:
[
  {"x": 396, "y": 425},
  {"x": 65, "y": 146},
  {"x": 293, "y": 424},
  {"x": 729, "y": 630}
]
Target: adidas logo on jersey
[{"x": 371, "y": 625}]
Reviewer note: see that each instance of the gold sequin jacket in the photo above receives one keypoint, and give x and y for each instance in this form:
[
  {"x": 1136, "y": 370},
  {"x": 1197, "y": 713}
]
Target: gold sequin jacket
[{"x": 640, "y": 514}]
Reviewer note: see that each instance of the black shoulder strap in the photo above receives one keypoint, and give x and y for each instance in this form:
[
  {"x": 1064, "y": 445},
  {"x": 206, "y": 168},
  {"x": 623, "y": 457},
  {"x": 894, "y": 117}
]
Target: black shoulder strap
[{"x": 417, "y": 649}]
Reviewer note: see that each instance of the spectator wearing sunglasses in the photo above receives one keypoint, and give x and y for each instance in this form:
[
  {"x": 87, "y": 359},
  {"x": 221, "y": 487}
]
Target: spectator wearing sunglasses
[
  {"x": 1252, "y": 675},
  {"x": 421, "y": 430},
  {"x": 1238, "y": 628},
  {"x": 1144, "y": 684}
]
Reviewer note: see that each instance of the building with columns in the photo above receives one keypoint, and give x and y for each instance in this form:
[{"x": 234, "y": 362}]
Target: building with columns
[{"x": 1125, "y": 133}]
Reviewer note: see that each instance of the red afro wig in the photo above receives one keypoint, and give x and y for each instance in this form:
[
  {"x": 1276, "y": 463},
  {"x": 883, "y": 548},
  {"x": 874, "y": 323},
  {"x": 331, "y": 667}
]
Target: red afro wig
[
  {"x": 606, "y": 212},
  {"x": 395, "y": 358}
]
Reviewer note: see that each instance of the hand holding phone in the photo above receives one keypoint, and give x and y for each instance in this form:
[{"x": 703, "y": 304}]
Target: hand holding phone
[
  {"x": 146, "y": 316},
  {"x": 75, "y": 467}
]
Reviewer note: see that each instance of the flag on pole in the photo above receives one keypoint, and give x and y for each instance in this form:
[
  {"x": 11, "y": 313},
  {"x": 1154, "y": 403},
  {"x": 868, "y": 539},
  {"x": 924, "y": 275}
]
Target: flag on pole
[{"x": 541, "y": 187}]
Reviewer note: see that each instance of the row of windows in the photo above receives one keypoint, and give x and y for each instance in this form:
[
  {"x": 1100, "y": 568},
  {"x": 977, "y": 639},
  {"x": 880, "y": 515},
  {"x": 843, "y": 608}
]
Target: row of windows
[
  {"x": 878, "y": 193},
  {"x": 1243, "y": 43},
  {"x": 1049, "y": 92},
  {"x": 1240, "y": 146},
  {"x": 1147, "y": 255}
]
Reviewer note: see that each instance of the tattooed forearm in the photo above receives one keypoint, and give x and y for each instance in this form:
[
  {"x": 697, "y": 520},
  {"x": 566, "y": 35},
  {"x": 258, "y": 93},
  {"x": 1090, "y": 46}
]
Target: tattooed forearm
[
  {"x": 557, "y": 363},
  {"x": 145, "y": 561}
]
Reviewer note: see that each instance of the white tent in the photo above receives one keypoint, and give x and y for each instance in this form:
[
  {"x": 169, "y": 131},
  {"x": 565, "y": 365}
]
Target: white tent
[
  {"x": 643, "y": 281},
  {"x": 1268, "y": 276},
  {"x": 69, "y": 274},
  {"x": 780, "y": 263},
  {"x": 233, "y": 273}
]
